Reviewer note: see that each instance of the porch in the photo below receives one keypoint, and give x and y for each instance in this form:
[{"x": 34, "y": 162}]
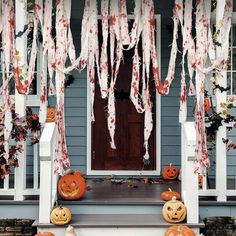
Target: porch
[{"x": 114, "y": 205}]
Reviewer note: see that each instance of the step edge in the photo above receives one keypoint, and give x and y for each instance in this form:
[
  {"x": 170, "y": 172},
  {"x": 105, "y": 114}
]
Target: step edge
[{"x": 119, "y": 224}]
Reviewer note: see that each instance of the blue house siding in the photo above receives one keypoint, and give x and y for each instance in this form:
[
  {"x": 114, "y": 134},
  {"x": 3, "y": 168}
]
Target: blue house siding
[{"x": 76, "y": 120}]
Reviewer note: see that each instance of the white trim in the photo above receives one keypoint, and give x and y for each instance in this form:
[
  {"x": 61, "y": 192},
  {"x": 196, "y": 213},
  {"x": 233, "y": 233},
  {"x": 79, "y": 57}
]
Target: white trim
[{"x": 158, "y": 125}]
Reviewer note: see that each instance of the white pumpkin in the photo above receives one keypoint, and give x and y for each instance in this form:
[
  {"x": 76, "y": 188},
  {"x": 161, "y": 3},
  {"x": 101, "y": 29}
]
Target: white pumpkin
[{"x": 70, "y": 231}]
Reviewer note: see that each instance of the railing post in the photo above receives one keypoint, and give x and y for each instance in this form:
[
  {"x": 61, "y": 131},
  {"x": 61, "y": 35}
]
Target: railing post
[
  {"x": 189, "y": 179},
  {"x": 46, "y": 153},
  {"x": 20, "y": 100},
  {"x": 221, "y": 163}
]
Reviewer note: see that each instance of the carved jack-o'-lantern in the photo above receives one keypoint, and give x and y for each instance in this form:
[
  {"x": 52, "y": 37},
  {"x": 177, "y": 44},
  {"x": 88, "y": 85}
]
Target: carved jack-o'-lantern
[
  {"x": 170, "y": 172},
  {"x": 167, "y": 195},
  {"x": 60, "y": 216},
  {"x": 179, "y": 230},
  {"x": 45, "y": 234},
  {"x": 174, "y": 211},
  {"x": 71, "y": 186},
  {"x": 51, "y": 114}
]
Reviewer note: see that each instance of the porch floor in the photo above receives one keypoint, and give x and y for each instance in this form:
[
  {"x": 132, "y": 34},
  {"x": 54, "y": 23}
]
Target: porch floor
[
  {"x": 134, "y": 191},
  {"x": 126, "y": 191},
  {"x": 131, "y": 191}
]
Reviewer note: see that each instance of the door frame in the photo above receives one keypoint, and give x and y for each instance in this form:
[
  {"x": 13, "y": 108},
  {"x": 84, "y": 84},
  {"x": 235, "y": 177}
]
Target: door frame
[{"x": 158, "y": 125}]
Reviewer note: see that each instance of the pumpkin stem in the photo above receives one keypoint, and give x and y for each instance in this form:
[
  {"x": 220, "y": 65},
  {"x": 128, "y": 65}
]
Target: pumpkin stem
[
  {"x": 174, "y": 198},
  {"x": 171, "y": 164},
  {"x": 179, "y": 229},
  {"x": 170, "y": 190}
]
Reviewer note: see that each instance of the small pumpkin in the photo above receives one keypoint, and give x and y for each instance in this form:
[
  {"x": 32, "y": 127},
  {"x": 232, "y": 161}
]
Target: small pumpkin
[
  {"x": 71, "y": 186},
  {"x": 50, "y": 114},
  {"x": 60, "y": 216},
  {"x": 179, "y": 230},
  {"x": 207, "y": 104},
  {"x": 70, "y": 231},
  {"x": 174, "y": 211},
  {"x": 170, "y": 172},
  {"x": 45, "y": 234},
  {"x": 199, "y": 180},
  {"x": 167, "y": 195}
]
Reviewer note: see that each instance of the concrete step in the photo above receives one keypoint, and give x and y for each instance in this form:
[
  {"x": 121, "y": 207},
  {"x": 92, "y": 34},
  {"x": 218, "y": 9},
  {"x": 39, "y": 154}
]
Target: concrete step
[
  {"x": 77, "y": 207},
  {"x": 115, "y": 225},
  {"x": 30, "y": 208}
]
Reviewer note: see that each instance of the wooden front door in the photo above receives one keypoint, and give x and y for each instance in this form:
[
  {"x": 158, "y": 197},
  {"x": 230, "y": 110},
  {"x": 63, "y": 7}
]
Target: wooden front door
[{"x": 129, "y": 135}]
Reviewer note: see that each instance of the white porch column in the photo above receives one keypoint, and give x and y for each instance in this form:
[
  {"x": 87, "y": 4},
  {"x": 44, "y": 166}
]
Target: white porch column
[
  {"x": 48, "y": 179},
  {"x": 189, "y": 182},
  {"x": 20, "y": 100},
  {"x": 221, "y": 164}
]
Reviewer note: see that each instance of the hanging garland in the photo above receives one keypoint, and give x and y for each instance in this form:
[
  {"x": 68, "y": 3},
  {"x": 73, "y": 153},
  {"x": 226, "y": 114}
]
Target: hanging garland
[
  {"x": 21, "y": 127},
  {"x": 115, "y": 23}
]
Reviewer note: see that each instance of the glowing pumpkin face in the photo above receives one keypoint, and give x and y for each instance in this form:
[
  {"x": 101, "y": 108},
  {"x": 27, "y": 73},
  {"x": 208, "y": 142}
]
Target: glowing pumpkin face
[
  {"x": 50, "y": 114},
  {"x": 71, "y": 186},
  {"x": 174, "y": 211},
  {"x": 179, "y": 230},
  {"x": 170, "y": 172},
  {"x": 60, "y": 216},
  {"x": 168, "y": 195}
]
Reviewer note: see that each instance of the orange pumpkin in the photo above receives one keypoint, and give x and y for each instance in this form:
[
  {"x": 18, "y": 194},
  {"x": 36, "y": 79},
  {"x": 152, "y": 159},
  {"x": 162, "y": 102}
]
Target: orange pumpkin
[
  {"x": 179, "y": 230},
  {"x": 50, "y": 114},
  {"x": 167, "y": 195},
  {"x": 45, "y": 234},
  {"x": 199, "y": 181},
  {"x": 71, "y": 186},
  {"x": 170, "y": 172}
]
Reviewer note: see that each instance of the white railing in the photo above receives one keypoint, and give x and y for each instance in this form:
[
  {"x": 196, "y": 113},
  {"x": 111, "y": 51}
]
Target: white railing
[
  {"x": 19, "y": 190},
  {"x": 221, "y": 191},
  {"x": 190, "y": 189},
  {"x": 189, "y": 183},
  {"x": 48, "y": 179}
]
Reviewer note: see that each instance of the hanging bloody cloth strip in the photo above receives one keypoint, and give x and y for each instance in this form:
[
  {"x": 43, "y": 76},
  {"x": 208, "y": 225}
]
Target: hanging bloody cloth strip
[
  {"x": 104, "y": 57},
  {"x": 63, "y": 46},
  {"x": 48, "y": 56},
  {"x": 201, "y": 157},
  {"x": 119, "y": 34},
  {"x": 93, "y": 52},
  {"x": 7, "y": 55},
  {"x": 147, "y": 33}
]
